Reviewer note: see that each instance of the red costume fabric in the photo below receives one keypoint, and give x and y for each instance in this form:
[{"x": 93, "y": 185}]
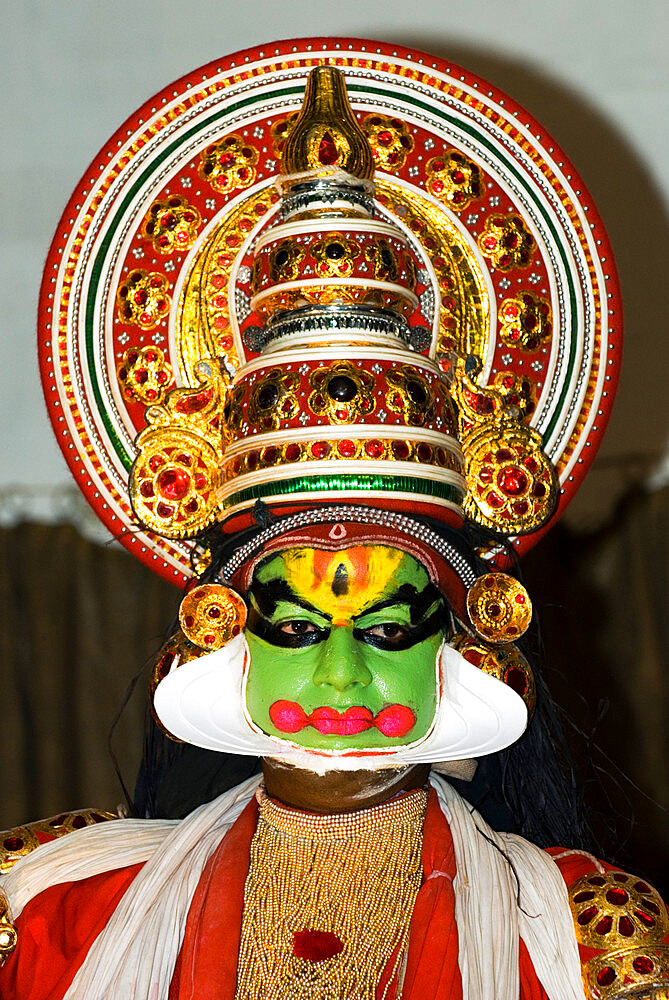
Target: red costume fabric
[{"x": 57, "y": 927}]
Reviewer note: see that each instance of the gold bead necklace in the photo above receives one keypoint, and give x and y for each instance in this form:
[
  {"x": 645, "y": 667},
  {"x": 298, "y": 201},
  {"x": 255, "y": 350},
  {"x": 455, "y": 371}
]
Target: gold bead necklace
[{"x": 328, "y": 900}]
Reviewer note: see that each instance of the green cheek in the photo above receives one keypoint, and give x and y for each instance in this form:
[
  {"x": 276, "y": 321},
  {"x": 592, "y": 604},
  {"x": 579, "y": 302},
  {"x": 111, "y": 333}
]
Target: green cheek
[{"x": 342, "y": 672}]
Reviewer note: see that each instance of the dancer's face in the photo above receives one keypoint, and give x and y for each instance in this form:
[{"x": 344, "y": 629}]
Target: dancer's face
[{"x": 343, "y": 647}]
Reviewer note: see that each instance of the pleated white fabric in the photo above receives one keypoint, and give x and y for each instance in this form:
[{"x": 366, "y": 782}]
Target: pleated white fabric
[
  {"x": 134, "y": 956},
  {"x": 493, "y": 908}
]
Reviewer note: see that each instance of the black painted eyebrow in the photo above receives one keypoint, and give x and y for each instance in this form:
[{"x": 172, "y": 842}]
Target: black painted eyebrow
[
  {"x": 268, "y": 595},
  {"x": 419, "y": 603}
]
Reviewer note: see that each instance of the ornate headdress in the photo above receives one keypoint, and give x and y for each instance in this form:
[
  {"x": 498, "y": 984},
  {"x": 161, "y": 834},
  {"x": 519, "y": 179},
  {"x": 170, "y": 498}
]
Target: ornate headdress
[{"x": 376, "y": 319}]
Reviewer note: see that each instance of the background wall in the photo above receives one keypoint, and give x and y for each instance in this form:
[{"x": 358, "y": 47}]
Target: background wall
[{"x": 595, "y": 74}]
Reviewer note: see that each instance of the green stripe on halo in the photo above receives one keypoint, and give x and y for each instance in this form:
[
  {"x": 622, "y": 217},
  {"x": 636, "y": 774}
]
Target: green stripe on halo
[{"x": 347, "y": 483}]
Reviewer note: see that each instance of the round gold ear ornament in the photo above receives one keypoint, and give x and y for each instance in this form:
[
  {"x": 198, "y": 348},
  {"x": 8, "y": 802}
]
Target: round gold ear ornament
[
  {"x": 499, "y": 607},
  {"x": 211, "y": 615},
  {"x": 503, "y": 661}
]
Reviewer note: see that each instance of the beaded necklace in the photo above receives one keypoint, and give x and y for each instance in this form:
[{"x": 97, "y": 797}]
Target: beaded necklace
[{"x": 328, "y": 900}]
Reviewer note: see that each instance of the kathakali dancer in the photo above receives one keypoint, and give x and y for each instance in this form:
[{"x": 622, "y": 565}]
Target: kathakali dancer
[{"x": 330, "y": 332}]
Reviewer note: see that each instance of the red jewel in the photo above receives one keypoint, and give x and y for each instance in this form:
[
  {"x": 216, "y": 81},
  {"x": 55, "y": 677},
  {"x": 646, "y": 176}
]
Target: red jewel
[
  {"x": 401, "y": 450},
  {"x": 320, "y": 449},
  {"x": 328, "y": 154},
  {"x": 604, "y": 925},
  {"x": 173, "y": 484},
  {"x": 155, "y": 462},
  {"x": 606, "y": 976},
  {"x": 293, "y": 452},
  {"x": 587, "y": 915},
  {"x": 193, "y": 404},
  {"x": 516, "y": 680},
  {"x": 424, "y": 452},
  {"x": 214, "y": 612},
  {"x": 617, "y": 896},
  {"x": 146, "y": 490},
  {"x": 626, "y": 927},
  {"x": 269, "y": 455},
  {"x": 316, "y": 946},
  {"x": 643, "y": 965},
  {"x": 252, "y": 461},
  {"x": 512, "y": 481},
  {"x": 13, "y": 844},
  {"x": 374, "y": 449},
  {"x": 79, "y": 822},
  {"x": 164, "y": 510},
  {"x": 346, "y": 449}
]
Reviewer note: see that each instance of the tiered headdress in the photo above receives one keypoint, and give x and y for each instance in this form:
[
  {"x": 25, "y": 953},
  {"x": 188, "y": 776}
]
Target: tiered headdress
[{"x": 374, "y": 320}]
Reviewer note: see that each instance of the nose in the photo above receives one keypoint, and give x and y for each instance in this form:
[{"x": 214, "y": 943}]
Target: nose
[{"x": 341, "y": 663}]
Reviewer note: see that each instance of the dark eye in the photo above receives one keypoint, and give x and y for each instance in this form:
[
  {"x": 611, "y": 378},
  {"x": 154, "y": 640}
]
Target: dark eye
[
  {"x": 390, "y": 631},
  {"x": 298, "y": 627}
]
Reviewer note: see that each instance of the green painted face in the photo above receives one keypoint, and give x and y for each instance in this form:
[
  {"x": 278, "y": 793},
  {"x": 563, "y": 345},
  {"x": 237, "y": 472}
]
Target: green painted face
[{"x": 343, "y": 647}]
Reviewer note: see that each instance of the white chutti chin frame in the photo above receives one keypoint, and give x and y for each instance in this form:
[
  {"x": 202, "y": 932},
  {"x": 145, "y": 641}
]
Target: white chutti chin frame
[{"x": 202, "y": 702}]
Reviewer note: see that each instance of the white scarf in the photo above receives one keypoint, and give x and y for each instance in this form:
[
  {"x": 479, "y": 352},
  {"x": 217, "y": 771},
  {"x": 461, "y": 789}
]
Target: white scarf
[{"x": 133, "y": 958}]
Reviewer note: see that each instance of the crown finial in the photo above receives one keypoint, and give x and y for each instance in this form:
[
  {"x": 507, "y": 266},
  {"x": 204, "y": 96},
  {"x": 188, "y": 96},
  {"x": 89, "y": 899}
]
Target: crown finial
[{"x": 326, "y": 133}]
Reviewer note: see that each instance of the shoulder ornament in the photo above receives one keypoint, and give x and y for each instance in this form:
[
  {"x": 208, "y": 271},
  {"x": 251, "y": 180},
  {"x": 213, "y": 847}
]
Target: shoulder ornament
[
  {"x": 626, "y": 920},
  {"x": 17, "y": 843}
]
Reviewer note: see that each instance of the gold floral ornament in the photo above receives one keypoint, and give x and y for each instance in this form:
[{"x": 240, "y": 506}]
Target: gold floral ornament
[
  {"x": 326, "y": 133},
  {"x": 341, "y": 392},
  {"x": 212, "y": 615},
  {"x": 174, "y": 478},
  {"x": 517, "y": 391},
  {"x": 284, "y": 262},
  {"x": 499, "y": 608},
  {"x": 142, "y": 298},
  {"x": 383, "y": 257},
  {"x": 505, "y": 662},
  {"x": 506, "y": 242},
  {"x": 273, "y": 400},
  {"x": 334, "y": 256},
  {"x": 228, "y": 164},
  {"x": 526, "y": 322},
  {"x": 411, "y": 395},
  {"x": 280, "y": 131},
  {"x": 511, "y": 483},
  {"x": 144, "y": 375},
  {"x": 626, "y": 917},
  {"x": 454, "y": 179},
  {"x": 172, "y": 225},
  {"x": 390, "y": 139}
]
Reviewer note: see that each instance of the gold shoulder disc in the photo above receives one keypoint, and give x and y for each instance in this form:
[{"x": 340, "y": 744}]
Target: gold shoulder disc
[
  {"x": 17, "y": 843},
  {"x": 625, "y": 919}
]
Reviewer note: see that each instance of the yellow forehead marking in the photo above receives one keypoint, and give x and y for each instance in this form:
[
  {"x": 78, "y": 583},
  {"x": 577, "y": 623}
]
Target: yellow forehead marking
[{"x": 344, "y": 583}]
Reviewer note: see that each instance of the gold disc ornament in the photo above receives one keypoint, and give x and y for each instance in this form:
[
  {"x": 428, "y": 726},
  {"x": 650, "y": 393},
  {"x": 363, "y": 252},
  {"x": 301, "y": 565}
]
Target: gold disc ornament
[
  {"x": 499, "y": 607},
  {"x": 212, "y": 615}
]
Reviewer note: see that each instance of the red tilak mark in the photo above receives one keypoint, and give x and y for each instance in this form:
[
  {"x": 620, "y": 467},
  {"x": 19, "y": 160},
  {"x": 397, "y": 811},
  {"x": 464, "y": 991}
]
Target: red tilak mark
[
  {"x": 316, "y": 946},
  {"x": 392, "y": 721}
]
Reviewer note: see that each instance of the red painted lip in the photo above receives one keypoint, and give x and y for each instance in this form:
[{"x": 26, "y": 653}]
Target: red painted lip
[{"x": 392, "y": 721}]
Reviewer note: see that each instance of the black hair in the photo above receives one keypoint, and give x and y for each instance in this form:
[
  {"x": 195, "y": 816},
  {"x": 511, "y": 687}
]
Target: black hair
[{"x": 530, "y": 788}]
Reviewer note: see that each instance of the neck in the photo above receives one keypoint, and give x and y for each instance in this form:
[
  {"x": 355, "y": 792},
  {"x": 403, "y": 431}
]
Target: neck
[{"x": 338, "y": 791}]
